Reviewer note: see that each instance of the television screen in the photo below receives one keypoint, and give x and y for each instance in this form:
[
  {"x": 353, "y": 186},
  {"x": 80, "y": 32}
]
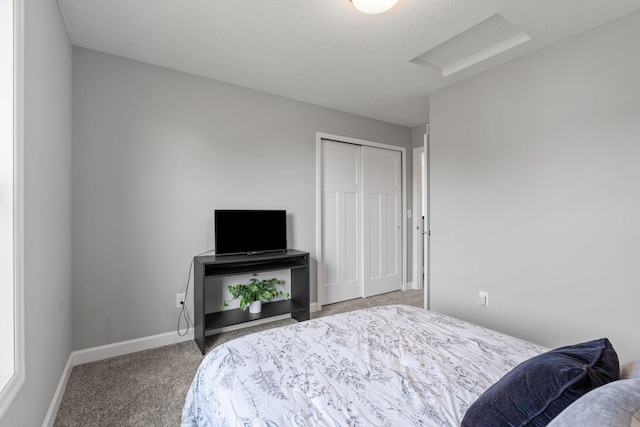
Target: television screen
[{"x": 250, "y": 231}]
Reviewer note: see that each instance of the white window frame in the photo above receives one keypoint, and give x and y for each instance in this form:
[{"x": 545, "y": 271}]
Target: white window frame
[{"x": 10, "y": 388}]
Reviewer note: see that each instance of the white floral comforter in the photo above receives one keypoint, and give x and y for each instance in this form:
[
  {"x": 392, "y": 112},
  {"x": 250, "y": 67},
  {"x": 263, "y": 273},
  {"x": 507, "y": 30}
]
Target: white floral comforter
[{"x": 385, "y": 366}]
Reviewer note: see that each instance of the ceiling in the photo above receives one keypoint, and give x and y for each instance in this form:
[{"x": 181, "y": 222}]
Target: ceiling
[{"x": 325, "y": 52}]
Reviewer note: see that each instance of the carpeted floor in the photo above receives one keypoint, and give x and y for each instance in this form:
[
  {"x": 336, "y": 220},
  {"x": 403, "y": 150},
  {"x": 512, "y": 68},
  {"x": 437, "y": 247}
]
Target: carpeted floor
[{"x": 148, "y": 388}]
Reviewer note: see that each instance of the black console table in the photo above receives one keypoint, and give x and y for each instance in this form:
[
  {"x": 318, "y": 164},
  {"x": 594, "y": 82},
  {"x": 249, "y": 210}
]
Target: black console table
[{"x": 211, "y": 267}]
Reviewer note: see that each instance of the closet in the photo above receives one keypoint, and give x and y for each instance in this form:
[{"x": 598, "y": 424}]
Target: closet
[{"x": 361, "y": 198}]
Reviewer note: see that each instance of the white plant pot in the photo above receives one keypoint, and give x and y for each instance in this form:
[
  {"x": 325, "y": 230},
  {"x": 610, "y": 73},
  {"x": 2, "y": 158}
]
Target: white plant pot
[{"x": 255, "y": 307}]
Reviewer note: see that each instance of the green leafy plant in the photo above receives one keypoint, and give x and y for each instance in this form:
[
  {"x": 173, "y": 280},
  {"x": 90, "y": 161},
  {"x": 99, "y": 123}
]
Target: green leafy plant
[{"x": 255, "y": 290}]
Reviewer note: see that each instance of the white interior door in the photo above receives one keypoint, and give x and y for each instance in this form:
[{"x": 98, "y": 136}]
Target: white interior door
[
  {"x": 419, "y": 220},
  {"x": 340, "y": 222},
  {"x": 427, "y": 221},
  {"x": 382, "y": 224}
]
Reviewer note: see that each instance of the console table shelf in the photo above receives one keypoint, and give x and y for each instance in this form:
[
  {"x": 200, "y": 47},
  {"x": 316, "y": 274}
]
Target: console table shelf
[
  {"x": 236, "y": 316},
  {"x": 211, "y": 266}
]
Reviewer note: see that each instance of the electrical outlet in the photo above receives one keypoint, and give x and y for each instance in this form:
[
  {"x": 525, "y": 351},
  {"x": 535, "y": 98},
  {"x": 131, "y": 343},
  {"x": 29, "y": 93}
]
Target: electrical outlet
[
  {"x": 483, "y": 298},
  {"x": 179, "y": 300}
]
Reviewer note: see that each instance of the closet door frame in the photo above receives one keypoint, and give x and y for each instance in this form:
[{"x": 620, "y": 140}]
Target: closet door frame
[{"x": 345, "y": 139}]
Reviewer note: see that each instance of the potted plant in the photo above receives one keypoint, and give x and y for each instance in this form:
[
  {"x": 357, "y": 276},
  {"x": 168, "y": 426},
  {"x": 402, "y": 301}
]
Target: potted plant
[{"x": 254, "y": 293}]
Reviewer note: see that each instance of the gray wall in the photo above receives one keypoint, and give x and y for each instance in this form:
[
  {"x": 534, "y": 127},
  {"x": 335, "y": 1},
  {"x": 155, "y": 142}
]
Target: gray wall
[
  {"x": 417, "y": 135},
  {"x": 536, "y": 196},
  {"x": 47, "y": 211},
  {"x": 155, "y": 151}
]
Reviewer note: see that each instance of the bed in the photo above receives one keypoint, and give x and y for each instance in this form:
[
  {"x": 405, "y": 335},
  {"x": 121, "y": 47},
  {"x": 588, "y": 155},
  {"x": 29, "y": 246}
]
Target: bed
[{"x": 382, "y": 366}]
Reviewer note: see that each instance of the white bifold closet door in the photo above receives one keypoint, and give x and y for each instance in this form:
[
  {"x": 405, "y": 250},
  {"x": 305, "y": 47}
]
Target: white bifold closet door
[
  {"x": 361, "y": 208},
  {"x": 341, "y": 221},
  {"x": 382, "y": 207}
]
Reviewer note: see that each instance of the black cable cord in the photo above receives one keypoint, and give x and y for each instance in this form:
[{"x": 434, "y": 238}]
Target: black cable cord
[{"x": 184, "y": 313}]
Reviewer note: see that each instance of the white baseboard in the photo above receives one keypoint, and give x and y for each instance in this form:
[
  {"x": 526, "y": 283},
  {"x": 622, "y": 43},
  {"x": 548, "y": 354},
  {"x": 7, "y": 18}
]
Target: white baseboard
[
  {"x": 50, "y": 418},
  {"x": 313, "y": 307},
  {"x": 413, "y": 285},
  {"x": 131, "y": 346}
]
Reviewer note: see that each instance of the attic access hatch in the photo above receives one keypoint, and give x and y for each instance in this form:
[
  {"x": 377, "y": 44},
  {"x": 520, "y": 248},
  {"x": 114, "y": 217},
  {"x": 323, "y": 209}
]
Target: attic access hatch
[{"x": 480, "y": 42}]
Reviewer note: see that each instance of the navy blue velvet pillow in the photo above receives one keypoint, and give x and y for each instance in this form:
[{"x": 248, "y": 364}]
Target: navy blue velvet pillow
[{"x": 538, "y": 389}]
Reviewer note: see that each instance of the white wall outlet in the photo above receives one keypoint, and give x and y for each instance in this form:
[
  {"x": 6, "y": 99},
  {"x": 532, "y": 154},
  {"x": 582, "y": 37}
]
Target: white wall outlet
[
  {"x": 483, "y": 298},
  {"x": 179, "y": 300}
]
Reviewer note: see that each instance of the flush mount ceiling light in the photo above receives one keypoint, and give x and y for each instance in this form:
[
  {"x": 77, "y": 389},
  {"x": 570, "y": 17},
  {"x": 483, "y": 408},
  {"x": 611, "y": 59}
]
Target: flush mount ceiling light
[{"x": 373, "y": 7}]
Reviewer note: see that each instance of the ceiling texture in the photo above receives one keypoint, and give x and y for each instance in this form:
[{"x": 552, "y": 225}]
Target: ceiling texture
[{"x": 325, "y": 52}]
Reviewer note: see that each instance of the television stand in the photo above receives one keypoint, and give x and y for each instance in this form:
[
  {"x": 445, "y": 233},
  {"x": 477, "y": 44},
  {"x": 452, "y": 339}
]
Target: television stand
[{"x": 211, "y": 267}]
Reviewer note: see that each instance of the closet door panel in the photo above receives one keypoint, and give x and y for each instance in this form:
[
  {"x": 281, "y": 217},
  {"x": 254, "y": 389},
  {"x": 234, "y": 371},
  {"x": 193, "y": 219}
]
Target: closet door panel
[
  {"x": 382, "y": 187},
  {"x": 340, "y": 222}
]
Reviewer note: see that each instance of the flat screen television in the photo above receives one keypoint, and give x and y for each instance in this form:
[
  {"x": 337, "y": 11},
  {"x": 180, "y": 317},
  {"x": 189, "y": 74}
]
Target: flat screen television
[{"x": 248, "y": 232}]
